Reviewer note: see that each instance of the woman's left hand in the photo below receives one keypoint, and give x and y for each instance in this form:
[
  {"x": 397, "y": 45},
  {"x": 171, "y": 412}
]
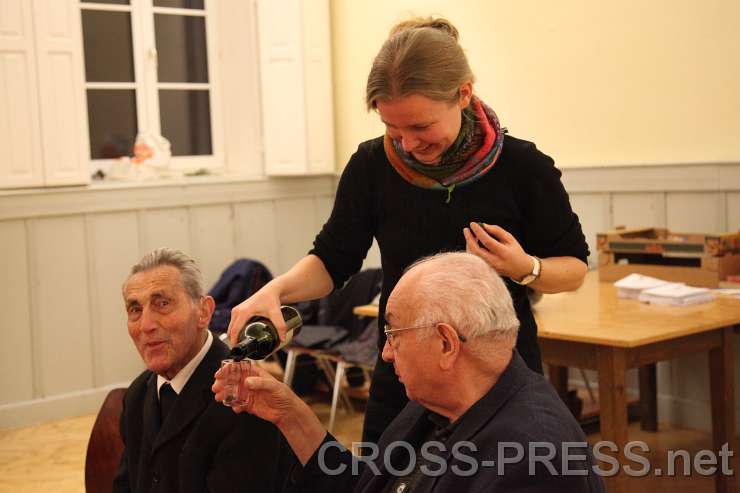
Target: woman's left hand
[{"x": 499, "y": 249}]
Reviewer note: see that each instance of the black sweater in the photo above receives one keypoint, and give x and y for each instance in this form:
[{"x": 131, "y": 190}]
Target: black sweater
[{"x": 522, "y": 193}]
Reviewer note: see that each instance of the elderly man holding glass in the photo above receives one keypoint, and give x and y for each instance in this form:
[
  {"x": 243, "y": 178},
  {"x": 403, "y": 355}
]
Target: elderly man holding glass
[
  {"x": 478, "y": 419},
  {"x": 176, "y": 438}
]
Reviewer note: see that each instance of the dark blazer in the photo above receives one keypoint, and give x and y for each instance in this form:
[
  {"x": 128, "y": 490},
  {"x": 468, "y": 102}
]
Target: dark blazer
[
  {"x": 203, "y": 445},
  {"x": 521, "y": 408}
]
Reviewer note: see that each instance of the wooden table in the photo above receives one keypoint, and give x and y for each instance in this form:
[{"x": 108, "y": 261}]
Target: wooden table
[
  {"x": 366, "y": 310},
  {"x": 592, "y": 328}
]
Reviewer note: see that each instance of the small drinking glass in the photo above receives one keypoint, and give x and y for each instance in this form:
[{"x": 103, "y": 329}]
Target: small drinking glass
[{"x": 233, "y": 373}]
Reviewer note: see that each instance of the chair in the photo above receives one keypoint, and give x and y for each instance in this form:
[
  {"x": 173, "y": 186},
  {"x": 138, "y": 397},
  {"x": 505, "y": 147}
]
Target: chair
[
  {"x": 339, "y": 340},
  {"x": 105, "y": 447}
]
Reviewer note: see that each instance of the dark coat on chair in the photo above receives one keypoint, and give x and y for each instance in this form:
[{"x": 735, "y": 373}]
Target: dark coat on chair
[
  {"x": 331, "y": 320},
  {"x": 239, "y": 281},
  {"x": 202, "y": 446},
  {"x": 521, "y": 408}
]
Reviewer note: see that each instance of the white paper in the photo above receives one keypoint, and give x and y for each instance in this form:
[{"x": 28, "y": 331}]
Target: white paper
[
  {"x": 631, "y": 286},
  {"x": 676, "y": 294}
]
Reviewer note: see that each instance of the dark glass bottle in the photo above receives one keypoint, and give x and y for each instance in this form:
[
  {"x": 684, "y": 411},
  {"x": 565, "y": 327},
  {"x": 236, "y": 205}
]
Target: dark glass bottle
[{"x": 259, "y": 338}]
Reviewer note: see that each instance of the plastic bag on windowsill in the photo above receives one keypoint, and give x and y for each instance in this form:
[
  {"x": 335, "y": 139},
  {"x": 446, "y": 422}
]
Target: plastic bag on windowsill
[{"x": 151, "y": 160}]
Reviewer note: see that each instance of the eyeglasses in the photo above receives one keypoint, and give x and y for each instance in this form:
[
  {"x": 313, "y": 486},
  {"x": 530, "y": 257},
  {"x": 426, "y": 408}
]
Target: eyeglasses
[{"x": 390, "y": 332}]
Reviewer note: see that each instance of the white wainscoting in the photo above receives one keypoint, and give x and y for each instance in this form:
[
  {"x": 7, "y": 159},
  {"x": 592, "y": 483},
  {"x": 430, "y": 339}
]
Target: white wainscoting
[
  {"x": 65, "y": 252},
  {"x": 702, "y": 198}
]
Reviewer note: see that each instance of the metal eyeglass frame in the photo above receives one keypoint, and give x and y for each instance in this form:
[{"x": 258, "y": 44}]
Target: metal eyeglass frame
[{"x": 389, "y": 331}]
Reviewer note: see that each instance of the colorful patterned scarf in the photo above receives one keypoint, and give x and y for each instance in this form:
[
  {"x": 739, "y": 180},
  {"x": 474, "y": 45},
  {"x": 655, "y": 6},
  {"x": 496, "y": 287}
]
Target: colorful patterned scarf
[{"x": 472, "y": 155}]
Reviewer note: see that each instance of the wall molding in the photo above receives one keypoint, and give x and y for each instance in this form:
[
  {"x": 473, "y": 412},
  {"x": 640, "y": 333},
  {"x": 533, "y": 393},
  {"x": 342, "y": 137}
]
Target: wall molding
[
  {"x": 653, "y": 178},
  {"x": 687, "y": 413},
  {"x": 117, "y": 197},
  {"x": 111, "y": 197}
]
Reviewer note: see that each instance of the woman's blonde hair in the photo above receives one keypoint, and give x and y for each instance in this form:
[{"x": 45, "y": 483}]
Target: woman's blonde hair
[{"x": 421, "y": 56}]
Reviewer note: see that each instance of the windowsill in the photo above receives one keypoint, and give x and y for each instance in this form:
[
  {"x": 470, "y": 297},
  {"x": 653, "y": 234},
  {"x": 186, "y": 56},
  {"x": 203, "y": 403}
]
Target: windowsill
[
  {"x": 103, "y": 185},
  {"x": 193, "y": 191},
  {"x": 213, "y": 179}
]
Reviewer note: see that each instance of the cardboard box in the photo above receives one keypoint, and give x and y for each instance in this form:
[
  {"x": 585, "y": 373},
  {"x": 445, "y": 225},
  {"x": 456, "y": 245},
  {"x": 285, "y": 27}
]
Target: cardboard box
[{"x": 693, "y": 258}]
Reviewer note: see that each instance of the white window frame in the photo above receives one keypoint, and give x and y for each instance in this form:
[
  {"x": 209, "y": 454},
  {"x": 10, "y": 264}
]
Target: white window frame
[{"x": 147, "y": 87}]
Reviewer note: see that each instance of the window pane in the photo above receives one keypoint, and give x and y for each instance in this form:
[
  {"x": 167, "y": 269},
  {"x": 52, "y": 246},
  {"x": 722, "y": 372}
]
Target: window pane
[
  {"x": 180, "y": 4},
  {"x": 107, "y": 40},
  {"x": 111, "y": 114},
  {"x": 117, "y": 2},
  {"x": 186, "y": 121},
  {"x": 181, "y": 43}
]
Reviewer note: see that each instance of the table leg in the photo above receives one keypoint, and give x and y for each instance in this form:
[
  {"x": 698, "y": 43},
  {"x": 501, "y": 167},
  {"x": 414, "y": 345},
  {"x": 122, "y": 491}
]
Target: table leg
[
  {"x": 648, "y": 397},
  {"x": 613, "y": 403},
  {"x": 559, "y": 379},
  {"x": 722, "y": 387}
]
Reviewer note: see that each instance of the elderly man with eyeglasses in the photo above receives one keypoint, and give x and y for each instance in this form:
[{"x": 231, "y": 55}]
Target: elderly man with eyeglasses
[{"x": 478, "y": 420}]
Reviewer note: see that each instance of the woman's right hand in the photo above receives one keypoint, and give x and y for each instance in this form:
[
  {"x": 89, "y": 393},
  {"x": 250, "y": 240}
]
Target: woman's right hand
[{"x": 265, "y": 303}]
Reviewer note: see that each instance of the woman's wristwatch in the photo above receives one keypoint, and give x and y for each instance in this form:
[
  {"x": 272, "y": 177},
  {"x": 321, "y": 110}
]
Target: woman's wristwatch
[{"x": 532, "y": 276}]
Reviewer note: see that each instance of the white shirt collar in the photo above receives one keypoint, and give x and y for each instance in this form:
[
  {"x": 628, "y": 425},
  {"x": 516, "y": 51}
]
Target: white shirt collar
[{"x": 182, "y": 377}]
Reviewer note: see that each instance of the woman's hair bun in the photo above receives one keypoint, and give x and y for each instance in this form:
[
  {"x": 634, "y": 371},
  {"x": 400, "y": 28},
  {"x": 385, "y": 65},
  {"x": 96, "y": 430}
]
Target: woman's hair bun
[{"x": 439, "y": 23}]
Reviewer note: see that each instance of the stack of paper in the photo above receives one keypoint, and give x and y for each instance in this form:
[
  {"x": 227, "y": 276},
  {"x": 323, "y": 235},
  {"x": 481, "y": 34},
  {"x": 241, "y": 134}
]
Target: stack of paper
[
  {"x": 634, "y": 284},
  {"x": 731, "y": 292},
  {"x": 676, "y": 294}
]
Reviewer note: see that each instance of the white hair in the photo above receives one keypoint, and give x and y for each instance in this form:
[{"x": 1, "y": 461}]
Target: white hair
[
  {"x": 191, "y": 278},
  {"x": 460, "y": 289}
]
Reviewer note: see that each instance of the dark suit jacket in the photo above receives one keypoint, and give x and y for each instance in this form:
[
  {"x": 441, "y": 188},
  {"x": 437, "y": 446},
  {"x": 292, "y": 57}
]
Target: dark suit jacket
[
  {"x": 521, "y": 408},
  {"x": 202, "y": 446}
]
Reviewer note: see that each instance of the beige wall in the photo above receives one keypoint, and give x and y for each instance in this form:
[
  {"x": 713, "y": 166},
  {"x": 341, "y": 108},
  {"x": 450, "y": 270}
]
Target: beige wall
[{"x": 591, "y": 82}]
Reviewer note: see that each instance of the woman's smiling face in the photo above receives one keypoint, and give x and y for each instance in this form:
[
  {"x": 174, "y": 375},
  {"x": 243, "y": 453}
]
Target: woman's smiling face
[{"x": 425, "y": 127}]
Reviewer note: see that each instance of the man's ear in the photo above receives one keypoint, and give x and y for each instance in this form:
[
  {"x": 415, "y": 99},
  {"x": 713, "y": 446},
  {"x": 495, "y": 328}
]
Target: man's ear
[
  {"x": 205, "y": 311},
  {"x": 450, "y": 345}
]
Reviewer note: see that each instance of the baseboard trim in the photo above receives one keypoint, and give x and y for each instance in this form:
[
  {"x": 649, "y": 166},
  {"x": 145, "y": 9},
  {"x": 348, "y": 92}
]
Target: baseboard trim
[
  {"x": 28, "y": 413},
  {"x": 682, "y": 413}
]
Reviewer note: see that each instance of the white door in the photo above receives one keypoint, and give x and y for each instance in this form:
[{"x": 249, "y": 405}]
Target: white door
[{"x": 21, "y": 162}]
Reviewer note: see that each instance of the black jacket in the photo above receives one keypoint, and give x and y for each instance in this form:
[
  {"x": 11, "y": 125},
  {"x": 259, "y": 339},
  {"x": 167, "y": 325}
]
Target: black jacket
[
  {"x": 203, "y": 445},
  {"x": 521, "y": 408}
]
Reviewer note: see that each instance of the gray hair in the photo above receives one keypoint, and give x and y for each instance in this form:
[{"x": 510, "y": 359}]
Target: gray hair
[
  {"x": 421, "y": 56},
  {"x": 460, "y": 289},
  {"x": 191, "y": 278}
]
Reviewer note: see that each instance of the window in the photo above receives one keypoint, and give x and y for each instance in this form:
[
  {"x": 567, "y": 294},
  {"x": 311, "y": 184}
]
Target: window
[{"x": 150, "y": 67}]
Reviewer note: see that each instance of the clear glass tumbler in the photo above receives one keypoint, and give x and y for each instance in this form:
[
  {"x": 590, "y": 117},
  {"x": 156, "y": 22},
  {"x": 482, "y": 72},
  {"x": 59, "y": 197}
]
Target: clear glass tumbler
[{"x": 234, "y": 372}]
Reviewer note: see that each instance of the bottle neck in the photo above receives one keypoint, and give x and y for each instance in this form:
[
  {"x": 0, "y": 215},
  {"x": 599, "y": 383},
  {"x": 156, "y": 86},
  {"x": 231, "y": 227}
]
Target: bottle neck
[{"x": 246, "y": 348}]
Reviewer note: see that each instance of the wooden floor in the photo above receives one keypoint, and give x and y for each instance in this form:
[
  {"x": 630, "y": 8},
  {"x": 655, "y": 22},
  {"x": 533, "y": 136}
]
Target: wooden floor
[{"x": 51, "y": 456}]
